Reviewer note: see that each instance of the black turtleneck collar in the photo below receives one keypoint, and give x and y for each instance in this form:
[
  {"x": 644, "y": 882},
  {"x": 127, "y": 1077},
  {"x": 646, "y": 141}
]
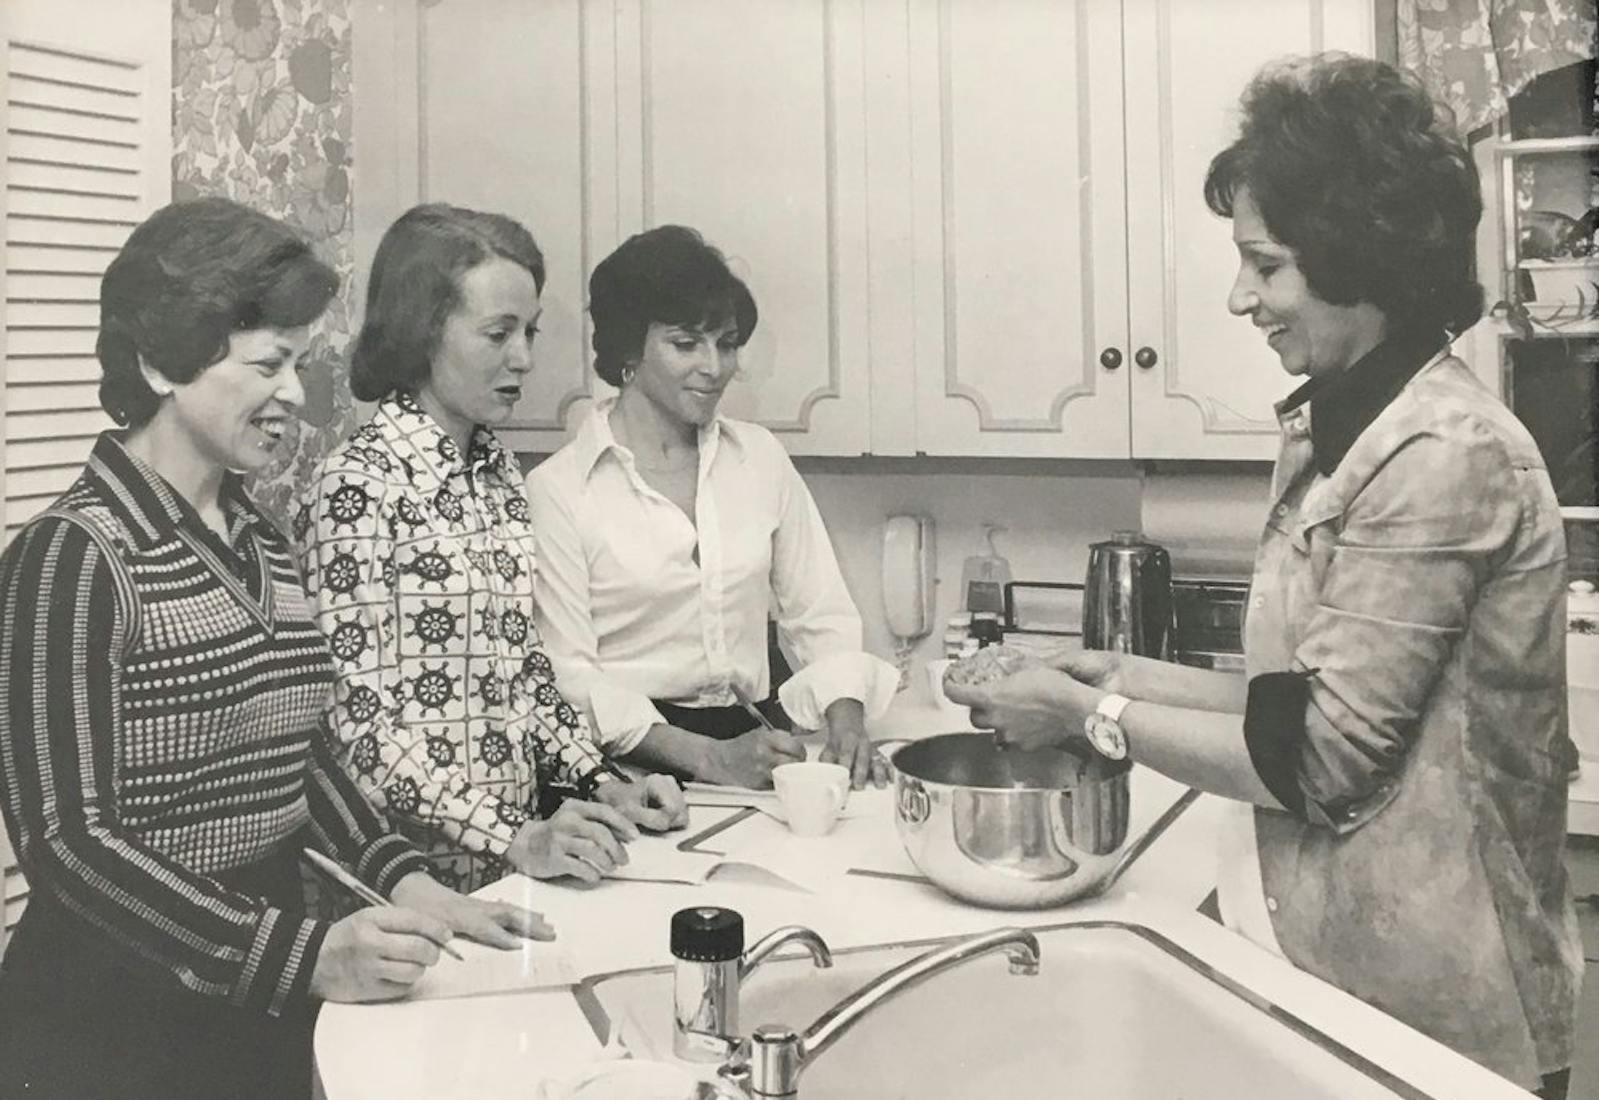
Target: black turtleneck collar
[{"x": 1343, "y": 404}]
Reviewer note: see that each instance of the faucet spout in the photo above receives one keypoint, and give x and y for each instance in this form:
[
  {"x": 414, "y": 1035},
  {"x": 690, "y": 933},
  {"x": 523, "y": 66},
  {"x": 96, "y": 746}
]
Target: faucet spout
[
  {"x": 1021, "y": 946},
  {"x": 781, "y": 1054},
  {"x": 781, "y": 937}
]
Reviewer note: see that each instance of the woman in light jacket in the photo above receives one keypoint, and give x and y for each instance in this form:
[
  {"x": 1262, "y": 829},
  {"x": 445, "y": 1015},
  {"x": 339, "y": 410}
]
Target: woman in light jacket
[
  {"x": 667, "y": 532},
  {"x": 1398, "y": 753}
]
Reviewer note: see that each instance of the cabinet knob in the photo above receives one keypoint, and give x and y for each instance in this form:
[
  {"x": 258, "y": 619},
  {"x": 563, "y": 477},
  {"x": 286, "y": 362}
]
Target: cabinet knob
[
  {"x": 1110, "y": 358},
  {"x": 1145, "y": 357}
]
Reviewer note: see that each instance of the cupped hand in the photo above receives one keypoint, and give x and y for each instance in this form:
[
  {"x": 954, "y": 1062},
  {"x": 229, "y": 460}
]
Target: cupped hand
[
  {"x": 1099, "y": 668},
  {"x": 495, "y": 923},
  {"x": 1032, "y": 709},
  {"x": 656, "y": 803},
  {"x": 377, "y": 954},
  {"x": 748, "y": 759},
  {"x": 847, "y": 744},
  {"x": 581, "y": 839}
]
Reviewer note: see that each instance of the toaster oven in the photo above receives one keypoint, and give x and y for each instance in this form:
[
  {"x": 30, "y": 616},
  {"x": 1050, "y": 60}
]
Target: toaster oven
[{"x": 1210, "y": 622}]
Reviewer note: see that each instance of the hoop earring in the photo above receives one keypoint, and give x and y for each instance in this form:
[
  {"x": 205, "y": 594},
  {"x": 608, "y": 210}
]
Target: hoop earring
[{"x": 627, "y": 374}]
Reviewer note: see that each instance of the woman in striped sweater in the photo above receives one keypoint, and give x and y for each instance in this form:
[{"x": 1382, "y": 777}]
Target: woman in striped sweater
[{"x": 162, "y": 691}]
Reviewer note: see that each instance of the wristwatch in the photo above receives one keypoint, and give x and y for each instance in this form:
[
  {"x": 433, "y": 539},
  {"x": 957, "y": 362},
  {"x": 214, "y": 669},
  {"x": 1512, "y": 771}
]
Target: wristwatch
[{"x": 1104, "y": 730}]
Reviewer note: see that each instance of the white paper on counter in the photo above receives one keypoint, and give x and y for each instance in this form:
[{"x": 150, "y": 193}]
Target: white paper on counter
[
  {"x": 536, "y": 964},
  {"x": 864, "y": 839},
  {"x": 658, "y": 859}
]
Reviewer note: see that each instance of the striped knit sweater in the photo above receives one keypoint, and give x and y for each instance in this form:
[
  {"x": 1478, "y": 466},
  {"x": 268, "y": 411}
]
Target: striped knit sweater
[{"x": 161, "y": 724}]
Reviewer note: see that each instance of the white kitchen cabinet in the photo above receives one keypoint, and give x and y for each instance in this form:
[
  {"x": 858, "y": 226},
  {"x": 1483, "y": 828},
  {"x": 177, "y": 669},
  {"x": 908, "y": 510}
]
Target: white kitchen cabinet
[
  {"x": 973, "y": 227},
  {"x": 1070, "y": 282},
  {"x": 590, "y": 121}
]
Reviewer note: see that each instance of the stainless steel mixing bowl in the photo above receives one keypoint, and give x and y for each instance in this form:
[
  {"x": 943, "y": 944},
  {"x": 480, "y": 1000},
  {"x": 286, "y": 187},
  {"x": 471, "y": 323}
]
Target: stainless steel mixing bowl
[{"x": 1006, "y": 827}]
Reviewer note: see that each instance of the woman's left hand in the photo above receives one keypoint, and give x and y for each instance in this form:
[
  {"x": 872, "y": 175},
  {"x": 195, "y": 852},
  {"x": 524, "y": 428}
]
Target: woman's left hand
[
  {"x": 847, "y": 744},
  {"x": 1034, "y": 708},
  {"x": 655, "y": 803},
  {"x": 496, "y": 923}
]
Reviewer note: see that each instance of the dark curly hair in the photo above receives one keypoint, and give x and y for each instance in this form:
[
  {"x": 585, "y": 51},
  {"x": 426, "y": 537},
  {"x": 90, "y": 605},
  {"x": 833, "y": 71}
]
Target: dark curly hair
[
  {"x": 1354, "y": 168},
  {"x": 416, "y": 284},
  {"x": 670, "y": 276},
  {"x": 190, "y": 275}
]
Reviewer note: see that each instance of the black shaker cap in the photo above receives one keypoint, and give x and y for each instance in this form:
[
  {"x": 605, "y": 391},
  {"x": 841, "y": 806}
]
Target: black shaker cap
[{"x": 707, "y": 933}]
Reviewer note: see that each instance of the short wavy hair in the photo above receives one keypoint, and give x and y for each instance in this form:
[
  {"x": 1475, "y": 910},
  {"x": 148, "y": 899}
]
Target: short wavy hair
[
  {"x": 670, "y": 276},
  {"x": 187, "y": 278},
  {"x": 416, "y": 284},
  {"x": 1354, "y": 168}
]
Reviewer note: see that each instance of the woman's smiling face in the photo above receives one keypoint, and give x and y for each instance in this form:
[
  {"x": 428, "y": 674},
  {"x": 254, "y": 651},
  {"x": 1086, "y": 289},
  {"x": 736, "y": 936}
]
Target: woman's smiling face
[
  {"x": 1310, "y": 335},
  {"x": 683, "y": 369},
  {"x": 236, "y": 411}
]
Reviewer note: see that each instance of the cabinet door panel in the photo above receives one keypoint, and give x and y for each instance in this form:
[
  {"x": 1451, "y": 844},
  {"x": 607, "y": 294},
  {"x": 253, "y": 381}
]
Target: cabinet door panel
[
  {"x": 1019, "y": 227},
  {"x": 503, "y": 129},
  {"x": 1210, "y": 391},
  {"x": 751, "y": 130}
]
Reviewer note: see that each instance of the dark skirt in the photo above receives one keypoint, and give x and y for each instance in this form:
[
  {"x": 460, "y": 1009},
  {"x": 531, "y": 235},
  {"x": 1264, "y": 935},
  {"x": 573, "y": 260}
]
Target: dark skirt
[
  {"x": 723, "y": 723},
  {"x": 81, "y": 1017}
]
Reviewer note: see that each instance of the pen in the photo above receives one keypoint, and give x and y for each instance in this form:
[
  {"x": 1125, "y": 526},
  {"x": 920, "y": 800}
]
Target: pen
[{"x": 360, "y": 889}]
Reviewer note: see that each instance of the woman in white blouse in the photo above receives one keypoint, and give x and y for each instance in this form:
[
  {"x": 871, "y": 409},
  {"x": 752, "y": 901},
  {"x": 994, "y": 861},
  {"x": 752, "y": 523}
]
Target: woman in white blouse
[{"x": 666, "y": 534}]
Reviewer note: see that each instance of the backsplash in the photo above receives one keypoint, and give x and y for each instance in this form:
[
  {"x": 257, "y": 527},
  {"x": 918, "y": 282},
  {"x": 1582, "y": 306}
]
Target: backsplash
[{"x": 1049, "y": 511}]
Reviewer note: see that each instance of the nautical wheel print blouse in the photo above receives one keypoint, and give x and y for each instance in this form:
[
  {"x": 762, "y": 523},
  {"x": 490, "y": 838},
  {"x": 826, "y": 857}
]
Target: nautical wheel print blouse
[{"x": 421, "y": 566}]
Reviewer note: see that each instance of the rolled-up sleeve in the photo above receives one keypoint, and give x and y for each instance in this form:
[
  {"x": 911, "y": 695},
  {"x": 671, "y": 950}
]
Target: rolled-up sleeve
[
  {"x": 1416, "y": 545},
  {"x": 817, "y": 617}
]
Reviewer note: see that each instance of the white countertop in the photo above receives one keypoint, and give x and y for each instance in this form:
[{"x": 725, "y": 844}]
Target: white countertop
[{"x": 503, "y": 1045}]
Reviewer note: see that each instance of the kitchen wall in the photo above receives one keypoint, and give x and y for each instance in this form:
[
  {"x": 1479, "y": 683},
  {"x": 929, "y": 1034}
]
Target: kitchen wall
[
  {"x": 261, "y": 111},
  {"x": 1050, "y": 510},
  {"x": 1206, "y": 514}
]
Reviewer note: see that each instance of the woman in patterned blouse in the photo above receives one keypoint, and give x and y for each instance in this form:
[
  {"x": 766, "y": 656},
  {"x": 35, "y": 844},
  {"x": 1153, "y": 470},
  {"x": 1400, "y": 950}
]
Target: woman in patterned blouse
[
  {"x": 161, "y": 747},
  {"x": 419, "y": 554}
]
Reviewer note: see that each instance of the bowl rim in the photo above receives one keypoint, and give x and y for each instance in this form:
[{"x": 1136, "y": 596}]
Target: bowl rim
[{"x": 1110, "y": 769}]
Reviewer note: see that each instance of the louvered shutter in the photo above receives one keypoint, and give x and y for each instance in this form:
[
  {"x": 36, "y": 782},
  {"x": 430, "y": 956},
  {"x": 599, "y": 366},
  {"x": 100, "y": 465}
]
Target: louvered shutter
[{"x": 87, "y": 147}]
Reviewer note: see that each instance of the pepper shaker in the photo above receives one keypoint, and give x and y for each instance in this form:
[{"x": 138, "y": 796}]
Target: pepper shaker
[{"x": 707, "y": 946}]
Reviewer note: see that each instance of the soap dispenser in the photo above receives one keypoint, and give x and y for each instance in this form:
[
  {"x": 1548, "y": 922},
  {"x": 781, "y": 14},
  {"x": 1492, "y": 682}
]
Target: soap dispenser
[{"x": 984, "y": 577}]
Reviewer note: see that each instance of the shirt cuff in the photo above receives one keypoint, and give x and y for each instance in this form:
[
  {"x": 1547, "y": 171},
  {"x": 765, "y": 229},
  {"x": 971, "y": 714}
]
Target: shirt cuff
[
  {"x": 1274, "y": 732},
  {"x": 807, "y": 695},
  {"x": 621, "y": 717}
]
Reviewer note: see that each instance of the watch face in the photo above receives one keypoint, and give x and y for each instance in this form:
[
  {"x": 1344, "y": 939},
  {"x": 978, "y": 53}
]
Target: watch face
[{"x": 1106, "y": 736}]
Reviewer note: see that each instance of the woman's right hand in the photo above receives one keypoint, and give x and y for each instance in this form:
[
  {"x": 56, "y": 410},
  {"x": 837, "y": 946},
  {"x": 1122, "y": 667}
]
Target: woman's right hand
[
  {"x": 581, "y": 839},
  {"x": 377, "y": 954},
  {"x": 748, "y": 759}
]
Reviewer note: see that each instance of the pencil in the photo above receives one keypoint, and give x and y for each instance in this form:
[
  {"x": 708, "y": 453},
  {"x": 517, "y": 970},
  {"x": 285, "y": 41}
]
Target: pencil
[
  {"x": 360, "y": 889},
  {"x": 754, "y": 711}
]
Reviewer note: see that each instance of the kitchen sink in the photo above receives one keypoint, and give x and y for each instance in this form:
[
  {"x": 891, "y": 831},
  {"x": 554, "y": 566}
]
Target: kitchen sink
[{"x": 1115, "y": 1012}]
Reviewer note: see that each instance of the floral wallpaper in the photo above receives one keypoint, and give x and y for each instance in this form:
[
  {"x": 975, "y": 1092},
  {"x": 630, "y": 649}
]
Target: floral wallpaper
[
  {"x": 1476, "y": 54},
  {"x": 261, "y": 114}
]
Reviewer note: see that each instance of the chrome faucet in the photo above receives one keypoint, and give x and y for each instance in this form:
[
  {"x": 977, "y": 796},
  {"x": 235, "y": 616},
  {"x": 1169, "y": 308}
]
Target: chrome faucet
[
  {"x": 768, "y": 1065},
  {"x": 706, "y": 995}
]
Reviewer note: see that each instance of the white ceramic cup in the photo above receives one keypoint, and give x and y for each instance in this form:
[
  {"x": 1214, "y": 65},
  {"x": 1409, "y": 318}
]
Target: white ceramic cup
[{"x": 812, "y": 794}]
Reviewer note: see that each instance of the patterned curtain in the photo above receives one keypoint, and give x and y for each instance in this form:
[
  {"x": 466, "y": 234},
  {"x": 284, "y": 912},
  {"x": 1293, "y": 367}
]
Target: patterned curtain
[{"x": 1475, "y": 54}]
